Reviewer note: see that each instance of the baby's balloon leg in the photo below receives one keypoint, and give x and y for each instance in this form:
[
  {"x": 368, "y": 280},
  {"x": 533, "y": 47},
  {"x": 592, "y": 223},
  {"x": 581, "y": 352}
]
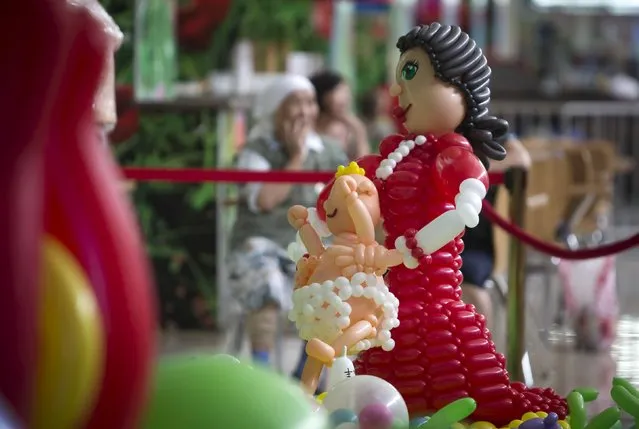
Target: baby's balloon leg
[{"x": 311, "y": 374}]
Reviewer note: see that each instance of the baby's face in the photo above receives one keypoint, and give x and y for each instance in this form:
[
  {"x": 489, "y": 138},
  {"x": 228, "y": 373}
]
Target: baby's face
[{"x": 338, "y": 218}]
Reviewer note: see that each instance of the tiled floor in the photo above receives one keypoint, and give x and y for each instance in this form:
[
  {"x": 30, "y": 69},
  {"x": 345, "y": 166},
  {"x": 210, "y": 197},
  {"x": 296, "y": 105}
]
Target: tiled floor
[{"x": 554, "y": 362}]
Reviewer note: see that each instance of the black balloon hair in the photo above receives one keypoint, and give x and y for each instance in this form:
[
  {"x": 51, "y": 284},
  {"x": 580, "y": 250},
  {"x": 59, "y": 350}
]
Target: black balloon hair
[{"x": 458, "y": 61}]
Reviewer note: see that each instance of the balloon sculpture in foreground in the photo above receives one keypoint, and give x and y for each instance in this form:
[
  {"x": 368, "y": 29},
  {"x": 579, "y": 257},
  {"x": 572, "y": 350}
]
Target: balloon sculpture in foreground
[
  {"x": 205, "y": 392},
  {"x": 75, "y": 302}
]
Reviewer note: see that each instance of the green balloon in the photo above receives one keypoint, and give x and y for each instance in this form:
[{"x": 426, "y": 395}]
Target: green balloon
[
  {"x": 219, "y": 392},
  {"x": 452, "y": 413}
]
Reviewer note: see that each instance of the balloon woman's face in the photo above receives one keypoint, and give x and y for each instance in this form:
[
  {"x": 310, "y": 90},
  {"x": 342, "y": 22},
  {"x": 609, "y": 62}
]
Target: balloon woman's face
[{"x": 428, "y": 105}]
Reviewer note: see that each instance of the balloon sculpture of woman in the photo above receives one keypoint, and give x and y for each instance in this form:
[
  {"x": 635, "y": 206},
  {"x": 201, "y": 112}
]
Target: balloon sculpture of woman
[{"x": 431, "y": 183}]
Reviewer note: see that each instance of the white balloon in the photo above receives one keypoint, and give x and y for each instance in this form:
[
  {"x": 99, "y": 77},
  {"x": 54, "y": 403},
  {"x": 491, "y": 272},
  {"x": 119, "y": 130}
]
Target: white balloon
[
  {"x": 357, "y": 392},
  {"x": 341, "y": 369}
]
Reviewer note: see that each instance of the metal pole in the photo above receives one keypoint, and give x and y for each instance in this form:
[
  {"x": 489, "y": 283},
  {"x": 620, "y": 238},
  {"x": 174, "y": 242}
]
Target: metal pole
[
  {"x": 401, "y": 18},
  {"x": 220, "y": 225},
  {"x": 516, "y": 302}
]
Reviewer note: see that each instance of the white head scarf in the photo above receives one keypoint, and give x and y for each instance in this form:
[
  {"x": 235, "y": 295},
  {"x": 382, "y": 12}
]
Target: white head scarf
[{"x": 271, "y": 98}]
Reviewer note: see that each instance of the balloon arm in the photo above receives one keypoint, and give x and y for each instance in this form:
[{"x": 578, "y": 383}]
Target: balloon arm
[
  {"x": 364, "y": 227},
  {"x": 460, "y": 174},
  {"x": 311, "y": 240},
  {"x": 393, "y": 258},
  {"x": 455, "y": 165},
  {"x": 432, "y": 237},
  {"x": 448, "y": 225}
]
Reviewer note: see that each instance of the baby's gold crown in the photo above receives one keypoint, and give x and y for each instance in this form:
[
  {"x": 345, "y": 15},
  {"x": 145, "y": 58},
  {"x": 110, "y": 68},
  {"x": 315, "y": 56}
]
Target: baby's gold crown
[{"x": 352, "y": 168}]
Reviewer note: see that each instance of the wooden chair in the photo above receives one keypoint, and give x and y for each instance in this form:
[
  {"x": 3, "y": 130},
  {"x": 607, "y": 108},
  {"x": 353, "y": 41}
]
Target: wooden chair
[
  {"x": 568, "y": 180},
  {"x": 545, "y": 191},
  {"x": 604, "y": 164},
  {"x": 582, "y": 185}
]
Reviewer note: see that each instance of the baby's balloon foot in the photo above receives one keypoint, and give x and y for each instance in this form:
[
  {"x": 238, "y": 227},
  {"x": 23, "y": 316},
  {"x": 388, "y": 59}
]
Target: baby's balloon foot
[{"x": 321, "y": 351}]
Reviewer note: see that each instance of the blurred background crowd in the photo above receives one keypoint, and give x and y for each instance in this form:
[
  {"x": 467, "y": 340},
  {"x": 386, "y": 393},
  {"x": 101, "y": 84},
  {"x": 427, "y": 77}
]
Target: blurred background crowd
[{"x": 302, "y": 85}]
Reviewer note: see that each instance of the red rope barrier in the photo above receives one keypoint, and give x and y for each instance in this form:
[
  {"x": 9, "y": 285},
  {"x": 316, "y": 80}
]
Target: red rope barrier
[
  {"x": 554, "y": 250},
  {"x": 199, "y": 175}
]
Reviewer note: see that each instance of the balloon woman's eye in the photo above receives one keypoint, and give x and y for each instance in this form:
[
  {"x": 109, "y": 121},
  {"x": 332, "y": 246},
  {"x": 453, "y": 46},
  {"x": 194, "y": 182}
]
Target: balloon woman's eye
[{"x": 409, "y": 70}]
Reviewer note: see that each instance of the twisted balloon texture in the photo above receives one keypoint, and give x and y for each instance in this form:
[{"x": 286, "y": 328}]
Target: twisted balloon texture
[{"x": 443, "y": 349}]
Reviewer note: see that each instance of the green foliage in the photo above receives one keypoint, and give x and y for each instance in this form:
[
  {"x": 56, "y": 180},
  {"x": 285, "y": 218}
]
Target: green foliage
[
  {"x": 280, "y": 21},
  {"x": 178, "y": 221},
  {"x": 370, "y": 56},
  {"x": 123, "y": 13}
]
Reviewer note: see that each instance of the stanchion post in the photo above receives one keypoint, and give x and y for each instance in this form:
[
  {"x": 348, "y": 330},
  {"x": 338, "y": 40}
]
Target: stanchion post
[{"x": 515, "y": 181}]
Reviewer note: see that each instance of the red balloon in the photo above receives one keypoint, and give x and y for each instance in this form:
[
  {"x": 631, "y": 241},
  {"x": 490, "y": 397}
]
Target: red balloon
[
  {"x": 126, "y": 127},
  {"x": 27, "y": 81},
  {"x": 198, "y": 19},
  {"x": 443, "y": 350},
  {"x": 94, "y": 216},
  {"x": 323, "y": 17}
]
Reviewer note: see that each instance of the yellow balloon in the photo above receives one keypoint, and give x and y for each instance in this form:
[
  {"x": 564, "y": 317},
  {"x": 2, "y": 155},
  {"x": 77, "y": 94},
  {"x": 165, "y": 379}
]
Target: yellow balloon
[{"x": 71, "y": 342}]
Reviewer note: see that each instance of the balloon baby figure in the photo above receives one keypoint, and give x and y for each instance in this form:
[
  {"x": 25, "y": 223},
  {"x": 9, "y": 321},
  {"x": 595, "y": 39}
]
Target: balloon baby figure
[
  {"x": 340, "y": 299},
  {"x": 431, "y": 183}
]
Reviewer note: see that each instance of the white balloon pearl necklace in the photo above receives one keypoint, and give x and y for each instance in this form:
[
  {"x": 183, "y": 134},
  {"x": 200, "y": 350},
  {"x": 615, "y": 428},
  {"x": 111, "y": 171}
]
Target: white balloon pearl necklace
[
  {"x": 321, "y": 311},
  {"x": 387, "y": 166}
]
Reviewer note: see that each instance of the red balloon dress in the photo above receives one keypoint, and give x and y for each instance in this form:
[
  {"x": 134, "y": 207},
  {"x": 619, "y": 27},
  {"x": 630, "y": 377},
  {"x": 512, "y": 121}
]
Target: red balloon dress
[{"x": 443, "y": 349}]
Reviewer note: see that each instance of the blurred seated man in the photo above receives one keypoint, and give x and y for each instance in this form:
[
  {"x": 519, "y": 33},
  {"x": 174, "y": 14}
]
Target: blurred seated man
[
  {"x": 478, "y": 255},
  {"x": 283, "y": 138}
]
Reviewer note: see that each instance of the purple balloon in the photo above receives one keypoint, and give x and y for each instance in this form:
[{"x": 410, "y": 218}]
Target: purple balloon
[
  {"x": 551, "y": 421},
  {"x": 375, "y": 416},
  {"x": 533, "y": 424}
]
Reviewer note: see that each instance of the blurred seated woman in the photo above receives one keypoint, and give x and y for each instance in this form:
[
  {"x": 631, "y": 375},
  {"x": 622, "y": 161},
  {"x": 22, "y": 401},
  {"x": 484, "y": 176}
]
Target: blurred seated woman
[
  {"x": 478, "y": 256},
  {"x": 336, "y": 118},
  {"x": 375, "y": 109},
  {"x": 283, "y": 138}
]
